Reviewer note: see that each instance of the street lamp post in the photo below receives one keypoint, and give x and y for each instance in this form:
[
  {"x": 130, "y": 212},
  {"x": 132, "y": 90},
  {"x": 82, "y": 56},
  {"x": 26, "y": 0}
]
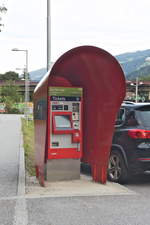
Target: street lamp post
[{"x": 26, "y": 82}]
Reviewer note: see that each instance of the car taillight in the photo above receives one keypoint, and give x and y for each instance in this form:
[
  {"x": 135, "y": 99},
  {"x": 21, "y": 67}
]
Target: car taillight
[{"x": 138, "y": 133}]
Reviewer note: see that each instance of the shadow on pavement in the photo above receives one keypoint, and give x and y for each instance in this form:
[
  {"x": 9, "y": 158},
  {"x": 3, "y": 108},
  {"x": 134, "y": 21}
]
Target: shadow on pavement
[
  {"x": 85, "y": 169},
  {"x": 140, "y": 179}
]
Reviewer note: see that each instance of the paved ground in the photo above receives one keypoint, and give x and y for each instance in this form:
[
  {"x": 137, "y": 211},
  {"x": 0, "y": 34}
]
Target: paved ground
[
  {"x": 83, "y": 187},
  {"x": 104, "y": 210},
  {"x": 131, "y": 207},
  {"x": 7, "y": 210},
  {"x": 9, "y": 162},
  {"x": 9, "y": 154}
]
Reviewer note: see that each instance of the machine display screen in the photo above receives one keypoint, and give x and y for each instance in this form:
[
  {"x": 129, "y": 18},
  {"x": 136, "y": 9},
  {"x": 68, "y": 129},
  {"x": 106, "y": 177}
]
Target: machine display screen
[
  {"x": 57, "y": 107},
  {"x": 63, "y": 122}
]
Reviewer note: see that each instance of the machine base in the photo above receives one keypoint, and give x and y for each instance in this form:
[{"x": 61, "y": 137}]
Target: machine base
[{"x": 62, "y": 169}]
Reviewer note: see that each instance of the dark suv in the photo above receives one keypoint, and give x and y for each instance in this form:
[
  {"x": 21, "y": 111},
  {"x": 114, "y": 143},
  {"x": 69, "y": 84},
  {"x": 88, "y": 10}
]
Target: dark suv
[{"x": 130, "y": 153}]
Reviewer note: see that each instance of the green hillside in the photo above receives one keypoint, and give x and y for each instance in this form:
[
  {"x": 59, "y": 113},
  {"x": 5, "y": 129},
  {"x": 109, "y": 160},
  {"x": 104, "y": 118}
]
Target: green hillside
[
  {"x": 142, "y": 73},
  {"x": 135, "y": 64}
]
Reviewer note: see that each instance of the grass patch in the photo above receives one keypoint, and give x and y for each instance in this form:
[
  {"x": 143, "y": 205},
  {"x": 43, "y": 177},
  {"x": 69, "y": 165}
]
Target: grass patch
[{"x": 28, "y": 139}]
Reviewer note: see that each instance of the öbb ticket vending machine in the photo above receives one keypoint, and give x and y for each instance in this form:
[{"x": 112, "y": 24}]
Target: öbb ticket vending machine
[
  {"x": 58, "y": 119},
  {"x": 64, "y": 133}
]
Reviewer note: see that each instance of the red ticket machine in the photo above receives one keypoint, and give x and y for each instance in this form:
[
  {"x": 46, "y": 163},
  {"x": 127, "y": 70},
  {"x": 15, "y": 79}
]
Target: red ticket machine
[{"x": 64, "y": 133}]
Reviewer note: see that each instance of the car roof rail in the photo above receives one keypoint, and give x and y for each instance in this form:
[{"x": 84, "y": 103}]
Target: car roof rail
[{"x": 128, "y": 102}]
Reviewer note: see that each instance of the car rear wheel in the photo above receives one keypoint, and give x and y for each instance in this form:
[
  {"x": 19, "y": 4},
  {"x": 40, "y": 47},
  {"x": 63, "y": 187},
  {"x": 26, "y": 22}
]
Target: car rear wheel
[{"x": 117, "y": 170}]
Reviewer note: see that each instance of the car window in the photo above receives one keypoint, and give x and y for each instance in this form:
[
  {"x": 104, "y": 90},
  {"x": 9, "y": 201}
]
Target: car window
[
  {"x": 131, "y": 119},
  {"x": 144, "y": 115},
  {"x": 120, "y": 117}
]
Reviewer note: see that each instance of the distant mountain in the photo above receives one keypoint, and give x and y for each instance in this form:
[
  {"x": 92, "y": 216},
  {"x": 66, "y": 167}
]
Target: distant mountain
[
  {"x": 133, "y": 64},
  {"x": 142, "y": 72},
  {"x": 37, "y": 75}
]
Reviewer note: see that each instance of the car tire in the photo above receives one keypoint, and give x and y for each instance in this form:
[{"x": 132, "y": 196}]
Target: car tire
[{"x": 117, "y": 170}]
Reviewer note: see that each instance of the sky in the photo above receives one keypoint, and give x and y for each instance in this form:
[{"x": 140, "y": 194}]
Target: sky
[{"x": 118, "y": 26}]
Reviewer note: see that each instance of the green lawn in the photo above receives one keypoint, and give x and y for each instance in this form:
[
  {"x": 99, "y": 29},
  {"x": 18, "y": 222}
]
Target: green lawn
[{"x": 28, "y": 138}]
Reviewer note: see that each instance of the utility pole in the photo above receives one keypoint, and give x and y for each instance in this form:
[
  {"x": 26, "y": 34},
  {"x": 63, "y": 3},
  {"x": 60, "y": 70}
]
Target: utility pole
[
  {"x": 136, "y": 89},
  {"x": 48, "y": 35},
  {"x": 26, "y": 81}
]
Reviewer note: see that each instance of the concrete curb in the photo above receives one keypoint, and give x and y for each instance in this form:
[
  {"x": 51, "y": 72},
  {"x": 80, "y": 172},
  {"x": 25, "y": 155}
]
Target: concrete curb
[
  {"x": 21, "y": 213},
  {"x": 21, "y": 178}
]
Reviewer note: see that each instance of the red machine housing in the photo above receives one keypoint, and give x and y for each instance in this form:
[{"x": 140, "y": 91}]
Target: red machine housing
[
  {"x": 103, "y": 82},
  {"x": 75, "y": 134}
]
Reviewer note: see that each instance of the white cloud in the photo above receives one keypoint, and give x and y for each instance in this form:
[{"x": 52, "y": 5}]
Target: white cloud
[
  {"x": 117, "y": 26},
  {"x": 147, "y": 59}
]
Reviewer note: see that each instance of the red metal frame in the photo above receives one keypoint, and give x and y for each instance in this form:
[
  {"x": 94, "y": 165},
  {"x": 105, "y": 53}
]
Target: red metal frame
[
  {"x": 64, "y": 153},
  {"x": 48, "y": 126}
]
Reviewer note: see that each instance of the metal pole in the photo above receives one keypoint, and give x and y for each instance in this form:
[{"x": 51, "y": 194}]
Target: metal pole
[
  {"x": 136, "y": 90},
  {"x": 48, "y": 35},
  {"x": 26, "y": 82},
  {"x": 26, "y": 87}
]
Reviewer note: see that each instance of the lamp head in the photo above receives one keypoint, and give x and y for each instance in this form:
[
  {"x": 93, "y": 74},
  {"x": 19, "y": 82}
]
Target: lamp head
[{"x": 15, "y": 49}]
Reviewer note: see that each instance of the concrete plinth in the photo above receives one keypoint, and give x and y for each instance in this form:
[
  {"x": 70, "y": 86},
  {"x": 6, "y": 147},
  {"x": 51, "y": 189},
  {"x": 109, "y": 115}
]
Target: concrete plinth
[{"x": 63, "y": 169}]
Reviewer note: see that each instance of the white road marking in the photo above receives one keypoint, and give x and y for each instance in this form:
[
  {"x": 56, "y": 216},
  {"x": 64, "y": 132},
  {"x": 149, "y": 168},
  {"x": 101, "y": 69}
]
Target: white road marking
[
  {"x": 21, "y": 179},
  {"x": 21, "y": 213}
]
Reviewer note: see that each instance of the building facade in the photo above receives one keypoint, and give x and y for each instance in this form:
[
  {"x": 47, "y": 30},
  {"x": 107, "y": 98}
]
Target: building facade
[{"x": 143, "y": 89}]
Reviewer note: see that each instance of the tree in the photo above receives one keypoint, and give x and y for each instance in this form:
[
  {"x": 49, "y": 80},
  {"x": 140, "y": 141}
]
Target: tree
[
  {"x": 3, "y": 9},
  {"x": 9, "y": 76},
  {"x": 145, "y": 78},
  {"x": 9, "y": 96}
]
